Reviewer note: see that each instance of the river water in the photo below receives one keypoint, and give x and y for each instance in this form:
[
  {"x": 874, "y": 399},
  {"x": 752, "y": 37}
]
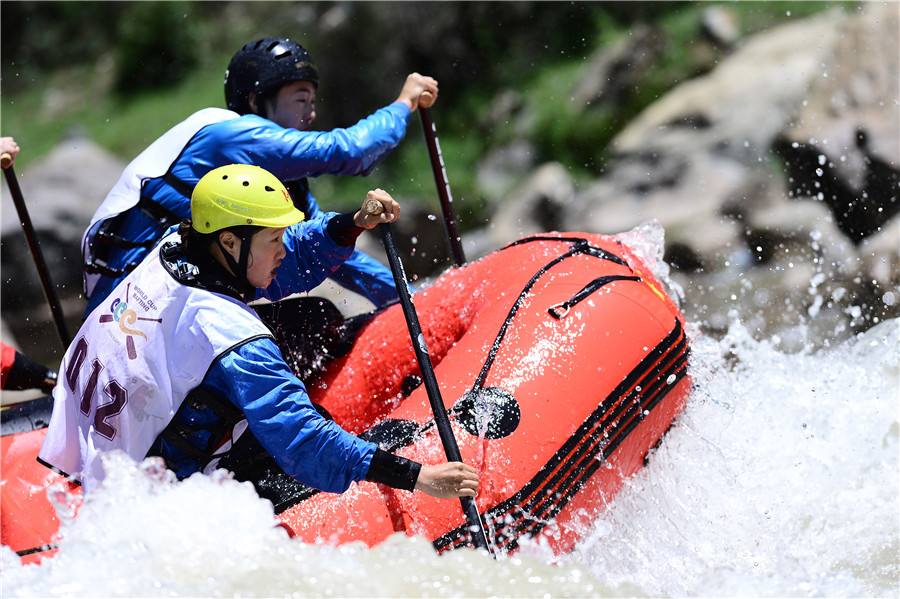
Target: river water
[{"x": 781, "y": 478}]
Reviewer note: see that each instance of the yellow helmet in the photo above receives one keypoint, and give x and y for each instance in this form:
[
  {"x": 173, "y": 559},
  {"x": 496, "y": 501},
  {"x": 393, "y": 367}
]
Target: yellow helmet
[{"x": 241, "y": 194}]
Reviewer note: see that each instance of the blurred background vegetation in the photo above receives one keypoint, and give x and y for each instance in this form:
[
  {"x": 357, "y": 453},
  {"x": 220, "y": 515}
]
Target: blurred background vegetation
[{"x": 122, "y": 73}]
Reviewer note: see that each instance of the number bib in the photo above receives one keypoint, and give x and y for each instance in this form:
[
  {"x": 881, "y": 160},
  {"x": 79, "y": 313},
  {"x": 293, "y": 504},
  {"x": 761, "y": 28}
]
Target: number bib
[{"x": 133, "y": 362}]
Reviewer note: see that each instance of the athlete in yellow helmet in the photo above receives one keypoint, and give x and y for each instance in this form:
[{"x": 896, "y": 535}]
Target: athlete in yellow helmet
[
  {"x": 230, "y": 206},
  {"x": 175, "y": 364}
]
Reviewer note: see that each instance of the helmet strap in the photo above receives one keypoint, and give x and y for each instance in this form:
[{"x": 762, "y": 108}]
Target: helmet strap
[{"x": 239, "y": 266}]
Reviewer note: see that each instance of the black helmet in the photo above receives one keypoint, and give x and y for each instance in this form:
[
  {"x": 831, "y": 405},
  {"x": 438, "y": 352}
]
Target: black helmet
[{"x": 264, "y": 65}]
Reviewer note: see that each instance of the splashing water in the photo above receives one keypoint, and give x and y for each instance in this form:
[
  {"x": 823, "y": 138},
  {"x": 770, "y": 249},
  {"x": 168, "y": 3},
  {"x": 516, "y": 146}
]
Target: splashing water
[
  {"x": 781, "y": 478},
  {"x": 143, "y": 535},
  {"x": 647, "y": 241}
]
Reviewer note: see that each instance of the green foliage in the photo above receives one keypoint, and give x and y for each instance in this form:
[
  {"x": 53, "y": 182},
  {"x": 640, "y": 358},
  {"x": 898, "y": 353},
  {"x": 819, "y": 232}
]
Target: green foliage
[
  {"x": 157, "y": 45},
  {"x": 560, "y": 131},
  {"x": 124, "y": 126},
  {"x": 38, "y": 37},
  {"x": 579, "y": 137}
]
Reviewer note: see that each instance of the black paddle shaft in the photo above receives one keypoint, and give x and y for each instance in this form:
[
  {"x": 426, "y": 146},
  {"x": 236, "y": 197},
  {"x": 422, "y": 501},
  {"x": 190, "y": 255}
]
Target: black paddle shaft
[
  {"x": 451, "y": 448},
  {"x": 37, "y": 254},
  {"x": 443, "y": 187}
]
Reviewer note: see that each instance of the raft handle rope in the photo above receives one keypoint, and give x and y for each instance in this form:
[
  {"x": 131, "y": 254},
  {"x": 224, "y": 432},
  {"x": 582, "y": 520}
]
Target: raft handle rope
[
  {"x": 578, "y": 241},
  {"x": 529, "y": 510},
  {"x": 579, "y": 246},
  {"x": 559, "y": 311}
]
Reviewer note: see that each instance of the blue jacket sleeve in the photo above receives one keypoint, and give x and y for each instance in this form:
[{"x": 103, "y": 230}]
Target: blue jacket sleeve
[
  {"x": 361, "y": 273},
  {"x": 287, "y": 153},
  {"x": 312, "y": 207},
  {"x": 309, "y": 448},
  {"x": 290, "y": 154},
  {"x": 368, "y": 277}
]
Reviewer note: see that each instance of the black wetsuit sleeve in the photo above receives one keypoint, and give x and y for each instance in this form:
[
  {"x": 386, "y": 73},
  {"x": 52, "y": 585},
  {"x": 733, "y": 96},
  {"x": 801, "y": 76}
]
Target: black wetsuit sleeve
[
  {"x": 342, "y": 230},
  {"x": 393, "y": 471},
  {"x": 25, "y": 374}
]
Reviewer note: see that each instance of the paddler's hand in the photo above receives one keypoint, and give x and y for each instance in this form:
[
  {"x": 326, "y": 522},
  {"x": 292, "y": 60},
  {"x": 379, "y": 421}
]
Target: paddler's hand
[
  {"x": 415, "y": 86},
  {"x": 446, "y": 481},
  {"x": 8, "y": 148},
  {"x": 378, "y": 207}
]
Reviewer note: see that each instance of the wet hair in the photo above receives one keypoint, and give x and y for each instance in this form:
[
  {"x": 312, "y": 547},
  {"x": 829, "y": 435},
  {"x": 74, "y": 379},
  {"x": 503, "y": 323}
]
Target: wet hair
[{"x": 193, "y": 242}]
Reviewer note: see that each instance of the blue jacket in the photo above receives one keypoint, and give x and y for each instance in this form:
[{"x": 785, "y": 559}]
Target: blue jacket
[
  {"x": 291, "y": 156},
  {"x": 255, "y": 378},
  {"x": 309, "y": 448}
]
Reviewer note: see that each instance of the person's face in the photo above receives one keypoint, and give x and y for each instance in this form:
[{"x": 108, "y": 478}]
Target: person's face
[
  {"x": 294, "y": 106},
  {"x": 266, "y": 252}
]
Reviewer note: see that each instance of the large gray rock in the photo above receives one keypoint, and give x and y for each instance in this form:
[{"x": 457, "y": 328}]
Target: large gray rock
[
  {"x": 612, "y": 73},
  {"x": 700, "y": 161},
  {"x": 63, "y": 189},
  {"x": 537, "y": 205},
  {"x": 844, "y": 149},
  {"x": 682, "y": 158}
]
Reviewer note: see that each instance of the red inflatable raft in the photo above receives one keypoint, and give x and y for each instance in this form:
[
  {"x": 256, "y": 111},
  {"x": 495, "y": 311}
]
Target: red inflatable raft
[{"x": 561, "y": 363}]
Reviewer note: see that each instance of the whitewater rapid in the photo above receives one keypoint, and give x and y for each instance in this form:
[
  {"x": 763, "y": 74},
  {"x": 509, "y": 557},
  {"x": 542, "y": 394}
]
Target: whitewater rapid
[{"x": 780, "y": 478}]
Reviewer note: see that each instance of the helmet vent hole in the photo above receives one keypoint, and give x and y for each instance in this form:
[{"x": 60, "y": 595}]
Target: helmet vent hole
[
  {"x": 269, "y": 188},
  {"x": 224, "y": 177},
  {"x": 245, "y": 183}
]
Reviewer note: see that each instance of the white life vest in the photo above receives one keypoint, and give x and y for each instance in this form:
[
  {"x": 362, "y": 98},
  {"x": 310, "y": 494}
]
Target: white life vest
[
  {"x": 153, "y": 162},
  {"x": 132, "y": 364}
]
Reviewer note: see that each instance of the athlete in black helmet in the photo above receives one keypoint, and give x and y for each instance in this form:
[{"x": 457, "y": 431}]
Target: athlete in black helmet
[
  {"x": 270, "y": 91},
  {"x": 263, "y": 66}
]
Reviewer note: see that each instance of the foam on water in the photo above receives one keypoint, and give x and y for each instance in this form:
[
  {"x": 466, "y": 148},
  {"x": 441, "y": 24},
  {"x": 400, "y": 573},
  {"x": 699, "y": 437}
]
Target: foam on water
[
  {"x": 141, "y": 535},
  {"x": 780, "y": 479}
]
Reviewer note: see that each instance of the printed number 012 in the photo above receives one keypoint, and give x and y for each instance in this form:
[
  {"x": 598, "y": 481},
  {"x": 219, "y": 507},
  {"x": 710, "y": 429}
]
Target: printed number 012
[{"x": 113, "y": 390}]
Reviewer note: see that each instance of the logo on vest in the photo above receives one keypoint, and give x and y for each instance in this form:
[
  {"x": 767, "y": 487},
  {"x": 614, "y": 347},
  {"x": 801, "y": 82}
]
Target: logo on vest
[{"x": 125, "y": 316}]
